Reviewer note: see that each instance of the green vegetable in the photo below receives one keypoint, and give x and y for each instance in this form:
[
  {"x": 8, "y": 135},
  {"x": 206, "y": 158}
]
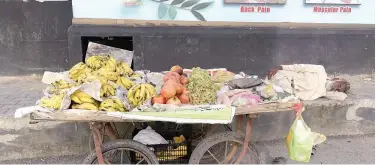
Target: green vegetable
[{"x": 202, "y": 89}]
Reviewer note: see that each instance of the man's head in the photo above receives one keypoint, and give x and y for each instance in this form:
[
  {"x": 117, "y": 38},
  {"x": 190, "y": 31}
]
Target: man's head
[{"x": 340, "y": 85}]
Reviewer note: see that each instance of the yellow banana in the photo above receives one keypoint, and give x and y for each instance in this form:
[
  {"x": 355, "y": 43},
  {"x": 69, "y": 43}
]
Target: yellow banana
[
  {"x": 135, "y": 75},
  {"x": 142, "y": 91},
  {"x": 131, "y": 100},
  {"x": 54, "y": 102},
  {"x": 111, "y": 90},
  {"x": 74, "y": 69},
  {"x": 151, "y": 89},
  {"x": 89, "y": 106},
  {"x": 133, "y": 90},
  {"x": 102, "y": 92},
  {"x": 127, "y": 84},
  {"x": 147, "y": 94},
  {"x": 87, "y": 100},
  {"x": 75, "y": 99},
  {"x": 81, "y": 94},
  {"x": 137, "y": 95},
  {"x": 109, "y": 109},
  {"x": 122, "y": 109},
  {"x": 117, "y": 101},
  {"x": 106, "y": 103}
]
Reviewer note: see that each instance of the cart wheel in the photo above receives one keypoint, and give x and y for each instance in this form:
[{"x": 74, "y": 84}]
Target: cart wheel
[
  {"x": 106, "y": 138},
  {"x": 123, "y": 151},
  {"x": 233, "y": 144}
]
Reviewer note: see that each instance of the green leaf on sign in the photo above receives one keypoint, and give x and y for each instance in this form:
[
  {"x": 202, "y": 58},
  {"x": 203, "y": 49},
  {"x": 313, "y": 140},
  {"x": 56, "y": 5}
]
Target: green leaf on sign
[
  {"x": 198, "y": 15},
  {"x": 159, "y": 0},
  {"x": 189, "y": 3},
  {"x": 176, "y": 2},
  {"x": 201, "y": 5},
  {"x": 162, "y": 10},
  {"x": 172, "y": 12}
]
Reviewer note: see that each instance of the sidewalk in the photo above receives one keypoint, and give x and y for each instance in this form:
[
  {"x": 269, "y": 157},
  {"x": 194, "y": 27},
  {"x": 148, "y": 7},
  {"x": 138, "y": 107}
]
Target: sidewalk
[{"x": 16, "y": 92}]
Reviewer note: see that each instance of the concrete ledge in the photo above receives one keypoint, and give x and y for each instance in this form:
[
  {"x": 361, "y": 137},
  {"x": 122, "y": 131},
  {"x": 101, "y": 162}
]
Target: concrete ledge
[{"x": 19, "y": 139}]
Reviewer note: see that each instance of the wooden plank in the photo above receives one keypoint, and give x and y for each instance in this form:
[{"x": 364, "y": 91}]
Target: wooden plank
[
  {"x": 263, "y": 108},
  {"x": 82, "y": 117},
  {"x": 87, "y": 116},
  {"x": 151, "y": 23}
]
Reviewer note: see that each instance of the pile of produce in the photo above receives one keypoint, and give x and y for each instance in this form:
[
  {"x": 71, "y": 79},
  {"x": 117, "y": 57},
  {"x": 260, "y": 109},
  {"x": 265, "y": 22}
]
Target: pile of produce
[
  {"x": 112, "y": 74},
  {"x": 174, "y": 89},
  {"x": 202, "y": 89},
  {"x": 122, "y": 89}
]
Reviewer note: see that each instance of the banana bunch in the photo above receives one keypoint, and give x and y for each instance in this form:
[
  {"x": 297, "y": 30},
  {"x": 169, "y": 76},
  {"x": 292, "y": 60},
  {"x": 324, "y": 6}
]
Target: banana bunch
[
  {"x": 96, "y": 62},
  {"x": 123, "y": 68},
  {"x": 77, "y": 70},
  {"x": 110, "y": 65},
  {"x": 89, "y": 77},
  {"x": 109, "y": 75},
  {"x": 61, "y": 84},
  {"x": 124, "y": 82},
  {"x": 140, "y": 92},
  {"x": 54, "y": 102},
  {"x": 83, "y": 101},
  {"x": 112, "y": 105},
  {"x": 58, "y": 86},
  {"x": 107, "y": 90}
]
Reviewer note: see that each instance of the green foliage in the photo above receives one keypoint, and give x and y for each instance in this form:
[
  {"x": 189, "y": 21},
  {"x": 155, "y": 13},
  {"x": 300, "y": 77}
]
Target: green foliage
[{"x": 170, "y": 9}]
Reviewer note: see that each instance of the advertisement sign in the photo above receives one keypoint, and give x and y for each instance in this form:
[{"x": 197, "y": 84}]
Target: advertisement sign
[
  {"x": 257, "y": 1},
  {"x": 342, "y": 2},
  {"x": 227, "y": 11}
]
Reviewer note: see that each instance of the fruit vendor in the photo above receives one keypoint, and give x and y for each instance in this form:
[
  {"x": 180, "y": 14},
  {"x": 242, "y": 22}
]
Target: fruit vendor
[{"x": 310, "y": 82}]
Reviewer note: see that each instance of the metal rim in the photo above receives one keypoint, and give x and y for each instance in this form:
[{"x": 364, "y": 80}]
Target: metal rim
[
  {"x": 231, "y": 154},
  {"x": 116, "y": 150}
]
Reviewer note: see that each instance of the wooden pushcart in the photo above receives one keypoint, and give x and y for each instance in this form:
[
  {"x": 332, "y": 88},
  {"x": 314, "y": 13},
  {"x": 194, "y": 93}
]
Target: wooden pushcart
[{"x": 232, "y": 146}]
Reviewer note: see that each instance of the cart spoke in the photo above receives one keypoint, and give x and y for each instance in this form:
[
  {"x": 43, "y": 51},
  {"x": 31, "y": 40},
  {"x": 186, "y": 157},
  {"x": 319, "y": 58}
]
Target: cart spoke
[
  {"x": 129, "y": 158},
  {"x": 226, "y": 149},
  {"x": 214, "y": 157},
  {"x": 106, "y": 161},
  {"x": 140, "y": 161},
  {"x": 121, "y": 156}
]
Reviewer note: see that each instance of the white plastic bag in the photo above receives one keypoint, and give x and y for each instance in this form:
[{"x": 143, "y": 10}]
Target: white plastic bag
[{"x": 148, "y": 136}]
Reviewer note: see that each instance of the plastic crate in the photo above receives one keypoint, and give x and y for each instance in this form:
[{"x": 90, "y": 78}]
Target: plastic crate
[{"x": 172, "y": 153}]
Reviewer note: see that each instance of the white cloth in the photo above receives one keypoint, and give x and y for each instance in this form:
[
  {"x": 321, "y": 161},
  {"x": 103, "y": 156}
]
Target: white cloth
[{"x": 309, "y": 80}]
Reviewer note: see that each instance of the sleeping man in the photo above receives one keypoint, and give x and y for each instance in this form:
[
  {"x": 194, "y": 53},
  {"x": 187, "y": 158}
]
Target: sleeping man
[{"x": 310, "y": 82}]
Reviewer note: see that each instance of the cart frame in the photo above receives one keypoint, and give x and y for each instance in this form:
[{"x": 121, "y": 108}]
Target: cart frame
[{"x": 106, "y": 125}]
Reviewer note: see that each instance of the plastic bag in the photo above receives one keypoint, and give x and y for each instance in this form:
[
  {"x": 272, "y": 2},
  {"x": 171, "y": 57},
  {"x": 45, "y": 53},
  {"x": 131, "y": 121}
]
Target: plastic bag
[
  {"x": 266, "y": 91},
  {"x": 148, "y": 136},
  {"x": 299, "y": 141},
  {"x": 245, "y": 99}
]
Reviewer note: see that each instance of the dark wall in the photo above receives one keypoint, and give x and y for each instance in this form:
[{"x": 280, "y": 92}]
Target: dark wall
[
  {"x": 33, "y": 36},
  {"x": 252, "y": 50}
]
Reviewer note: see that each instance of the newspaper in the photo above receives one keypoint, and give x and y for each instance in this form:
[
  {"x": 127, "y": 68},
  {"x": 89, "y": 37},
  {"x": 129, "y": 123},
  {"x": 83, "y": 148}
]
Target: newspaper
[{"x": 118, "y": 54}]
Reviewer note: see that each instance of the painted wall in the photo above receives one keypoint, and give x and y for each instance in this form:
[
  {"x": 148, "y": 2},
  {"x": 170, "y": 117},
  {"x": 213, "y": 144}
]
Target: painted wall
[
  {"x": 292, "y": 11},
  {"x": 33, "y": 36}
]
